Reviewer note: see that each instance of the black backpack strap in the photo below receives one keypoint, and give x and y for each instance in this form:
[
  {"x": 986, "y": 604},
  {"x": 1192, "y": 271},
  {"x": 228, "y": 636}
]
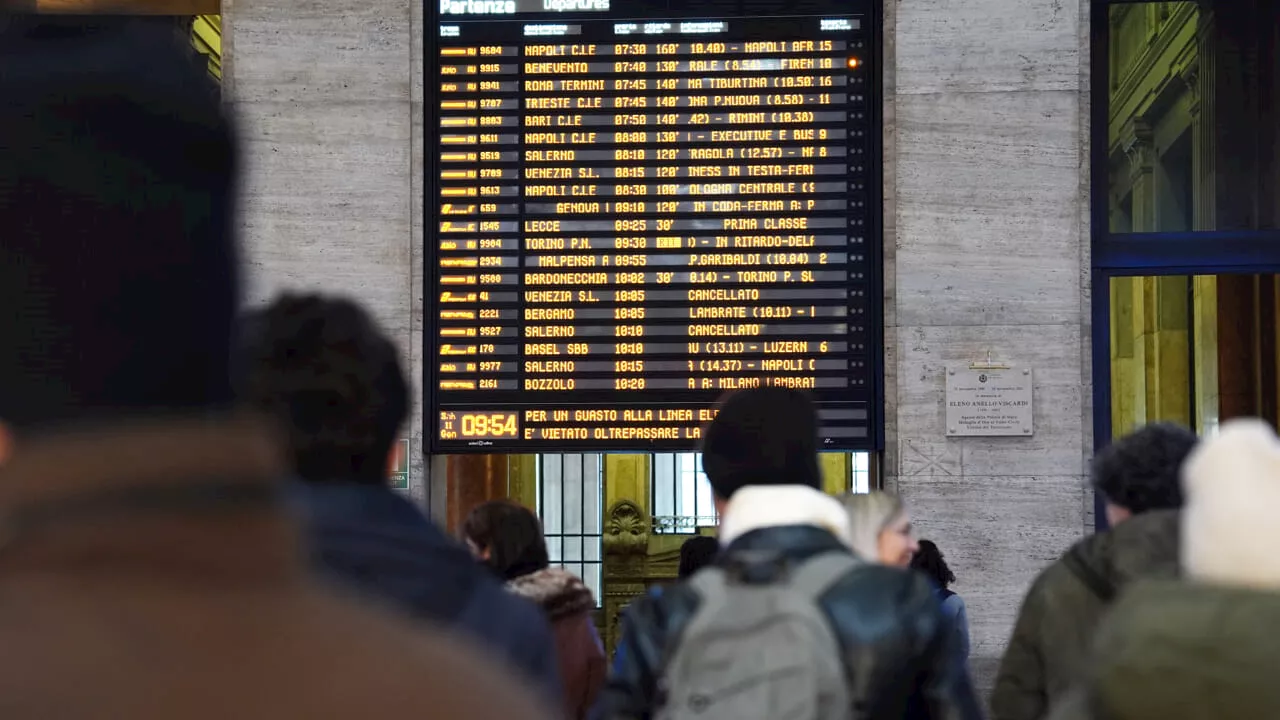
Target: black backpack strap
[{"x": 1097, "y": 584}]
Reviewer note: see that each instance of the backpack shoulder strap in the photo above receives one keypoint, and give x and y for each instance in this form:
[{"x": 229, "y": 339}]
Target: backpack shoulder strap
[
  {"x": 817, "y": 574},
  {"x": 711, "y": 586},
  {"x": 709, "y": 583}
]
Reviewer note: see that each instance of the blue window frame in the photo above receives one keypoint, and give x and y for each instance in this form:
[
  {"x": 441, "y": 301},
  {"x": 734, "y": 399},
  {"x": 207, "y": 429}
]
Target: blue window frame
[{"x": 1117, "y": 250}]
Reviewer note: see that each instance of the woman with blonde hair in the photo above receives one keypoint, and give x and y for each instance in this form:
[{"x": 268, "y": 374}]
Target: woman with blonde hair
[{"x": 881, "y": 528}]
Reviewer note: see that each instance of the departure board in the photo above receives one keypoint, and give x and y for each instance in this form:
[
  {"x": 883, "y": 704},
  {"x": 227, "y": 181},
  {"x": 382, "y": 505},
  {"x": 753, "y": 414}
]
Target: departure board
[{"x": 634, "y": 208}]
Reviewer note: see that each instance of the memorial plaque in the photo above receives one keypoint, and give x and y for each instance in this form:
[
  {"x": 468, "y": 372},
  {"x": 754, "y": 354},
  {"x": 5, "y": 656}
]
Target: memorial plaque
[
  {"x": 989, "y": 403},
  {"x": 634, "y": 207}
]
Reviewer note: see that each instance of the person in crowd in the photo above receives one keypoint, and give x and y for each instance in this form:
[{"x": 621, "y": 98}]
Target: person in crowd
[
  {"x": 507, "y": 538},
  {"x": 1200, "y": 646},
  {"x": 1137, "y": 476},
  {"x": 322, "y": 370},
  {"x": 785, "y": 595},
  {"x": 881, "y": 528},
  {"x": 929, "y": 560},
  {"x": 149, "y": 566},
  {"x": 695, "y": 554}
]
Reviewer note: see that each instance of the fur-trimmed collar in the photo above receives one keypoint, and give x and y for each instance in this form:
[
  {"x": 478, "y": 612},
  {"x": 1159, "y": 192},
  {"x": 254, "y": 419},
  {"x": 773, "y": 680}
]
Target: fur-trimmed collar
[
  {"x": 761, "y": 506},
  {"x": 1232, "y": 484},
  {"x": 558, "y": 592}
]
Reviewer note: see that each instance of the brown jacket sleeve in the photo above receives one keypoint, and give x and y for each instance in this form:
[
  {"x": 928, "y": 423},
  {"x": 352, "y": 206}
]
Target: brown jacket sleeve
[{"x": 582, "y": 663}]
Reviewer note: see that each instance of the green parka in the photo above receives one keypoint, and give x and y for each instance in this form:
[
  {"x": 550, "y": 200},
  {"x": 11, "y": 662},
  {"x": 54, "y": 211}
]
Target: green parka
[
  {"x": 1055, "y": 627},
  {"x": 1182, "y": 651}
]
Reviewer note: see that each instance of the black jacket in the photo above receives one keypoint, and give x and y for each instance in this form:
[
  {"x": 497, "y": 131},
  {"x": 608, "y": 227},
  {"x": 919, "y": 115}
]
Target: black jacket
[
  {"x": 376, "y": 541},
  {"x": 896, "y": 641}
]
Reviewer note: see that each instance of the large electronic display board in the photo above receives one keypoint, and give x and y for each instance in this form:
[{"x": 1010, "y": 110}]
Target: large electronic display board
[{"x": 636, "y": 207}]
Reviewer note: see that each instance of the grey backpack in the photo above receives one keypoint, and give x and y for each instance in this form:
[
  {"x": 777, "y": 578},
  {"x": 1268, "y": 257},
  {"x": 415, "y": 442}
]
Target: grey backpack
[{"x": 759, "y": 650}]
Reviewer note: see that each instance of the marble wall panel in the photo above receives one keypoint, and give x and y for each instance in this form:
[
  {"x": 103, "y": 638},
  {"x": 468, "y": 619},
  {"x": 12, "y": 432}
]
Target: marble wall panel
[
  {"x": 923, "y": 361},
  {"x": 326, "y": 203},
  {"x": 989, "y": 215},
  {"x": 327, "y": 51},
  {"x": 987, "y": 45},
  {"x": 987, "y": 209},
  {"x": 997, "y": 533},
  {"x": 417, "y": 365}
]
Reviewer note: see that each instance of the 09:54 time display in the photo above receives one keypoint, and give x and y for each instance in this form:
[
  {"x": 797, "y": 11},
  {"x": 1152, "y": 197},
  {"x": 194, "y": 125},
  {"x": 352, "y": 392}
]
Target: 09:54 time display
[{"x": 490, "y": 425}]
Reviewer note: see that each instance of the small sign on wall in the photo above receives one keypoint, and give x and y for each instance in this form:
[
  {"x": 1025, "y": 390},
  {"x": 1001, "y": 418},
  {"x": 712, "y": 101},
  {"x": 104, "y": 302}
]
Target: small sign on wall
[
  {"x": 400, "y": 470},
  {"x": 992, "y": 402}
]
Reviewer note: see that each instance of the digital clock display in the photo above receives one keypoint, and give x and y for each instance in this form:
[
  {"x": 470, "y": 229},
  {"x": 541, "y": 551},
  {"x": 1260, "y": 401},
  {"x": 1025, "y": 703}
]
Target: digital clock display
[
  {"x": 481, "y": 425},
  {"x": 636, "y": 208}
]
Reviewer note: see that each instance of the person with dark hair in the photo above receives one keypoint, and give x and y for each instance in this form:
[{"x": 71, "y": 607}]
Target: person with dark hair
[
  {"x": 786, "y": 605},
  {"x": 332, "y": 381},
  {"x": 1138, "y": 479},
  {"x": 929, "y": 560},
  {"x": 695, "y": 554},
  {"x": 507, "y": 538},
  {"x": 150, "y": 567},
  {"x": 1200, "y": 645}
]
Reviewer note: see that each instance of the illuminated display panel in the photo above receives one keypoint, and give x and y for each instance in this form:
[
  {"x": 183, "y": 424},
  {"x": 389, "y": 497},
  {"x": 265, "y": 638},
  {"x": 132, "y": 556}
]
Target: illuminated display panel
[{"x": 632, "y": 210}]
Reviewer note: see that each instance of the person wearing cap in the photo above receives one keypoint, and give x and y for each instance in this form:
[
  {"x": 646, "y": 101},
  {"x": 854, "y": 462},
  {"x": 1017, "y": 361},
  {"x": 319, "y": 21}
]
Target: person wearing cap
[
  {"x": 1138, "y": 477},
  {"x": 760, "y": 454},
  {"x": 149, "y": 567},
  {"x": 696, "y": 553}
]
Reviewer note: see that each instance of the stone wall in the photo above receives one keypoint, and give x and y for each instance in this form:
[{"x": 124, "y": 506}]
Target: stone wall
[
  {"x": 328, "y": 94},
  {"x": 987, "y": 235}
]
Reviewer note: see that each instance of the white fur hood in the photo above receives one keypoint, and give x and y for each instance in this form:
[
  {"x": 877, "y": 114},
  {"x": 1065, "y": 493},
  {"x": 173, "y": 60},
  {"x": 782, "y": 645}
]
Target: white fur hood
[
  {"x": 1229, "y": 527},
  {"x": 760, "y": 506}
]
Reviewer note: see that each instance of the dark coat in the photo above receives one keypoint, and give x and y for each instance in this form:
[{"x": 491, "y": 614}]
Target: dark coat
[
  {"x": 1173, "y": 650},
  {"x": 1062, "y": 609},
  {"x": 897, "y": 642},
  {"x": 376, "y": 541},
  {"x": 568, "y": 605}
]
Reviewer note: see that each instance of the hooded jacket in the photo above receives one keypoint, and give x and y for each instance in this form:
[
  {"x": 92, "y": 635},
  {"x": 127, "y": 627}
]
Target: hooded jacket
[
  {"x": 897, "y": 644},
  {"x": 374, "y": 540},
  {"x": 1065, "y": 604},
  {"x": 568, "y": 604}
]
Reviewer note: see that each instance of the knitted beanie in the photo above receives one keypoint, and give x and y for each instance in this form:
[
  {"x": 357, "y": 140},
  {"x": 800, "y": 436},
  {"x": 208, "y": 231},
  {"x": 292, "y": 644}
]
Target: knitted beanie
[{"x": 762, "y": 436}]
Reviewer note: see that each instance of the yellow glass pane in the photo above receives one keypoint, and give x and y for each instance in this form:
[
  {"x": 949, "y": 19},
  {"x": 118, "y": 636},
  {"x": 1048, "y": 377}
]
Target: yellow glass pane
[{"x": 1195, "y": 350}]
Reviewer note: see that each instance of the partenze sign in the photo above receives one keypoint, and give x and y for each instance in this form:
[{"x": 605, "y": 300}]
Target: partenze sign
[{"x": 511, "y": 7}]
